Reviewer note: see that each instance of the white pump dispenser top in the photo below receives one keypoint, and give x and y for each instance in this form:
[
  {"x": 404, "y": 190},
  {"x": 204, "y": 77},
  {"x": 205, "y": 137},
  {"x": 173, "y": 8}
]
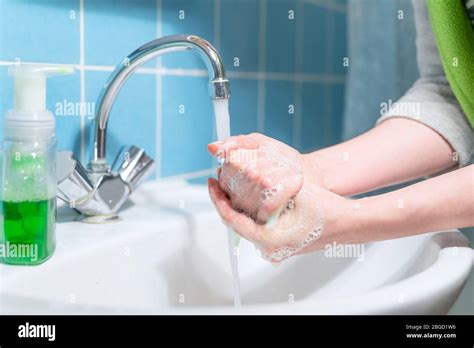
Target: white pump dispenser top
[
  {"x": 29, "y": 116},
  {"x": 30, "y": 84}
]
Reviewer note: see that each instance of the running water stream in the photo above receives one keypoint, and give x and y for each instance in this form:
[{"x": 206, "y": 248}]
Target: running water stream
[{"x": 221, "y": 112}]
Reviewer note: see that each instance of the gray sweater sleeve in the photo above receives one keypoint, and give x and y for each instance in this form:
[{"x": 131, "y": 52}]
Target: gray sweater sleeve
[{"x": 430, "y": 100}]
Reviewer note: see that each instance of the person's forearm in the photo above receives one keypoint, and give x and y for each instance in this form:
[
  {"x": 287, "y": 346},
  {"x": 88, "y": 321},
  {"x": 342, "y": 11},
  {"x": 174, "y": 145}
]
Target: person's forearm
[
  {"x": 443, "y": 202},
  {"x": 398, "y": 150}
]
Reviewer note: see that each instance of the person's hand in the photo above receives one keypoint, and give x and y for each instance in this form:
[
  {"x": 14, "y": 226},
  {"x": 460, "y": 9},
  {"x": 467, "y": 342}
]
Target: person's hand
[
  {"x": 309, "y": 222},
  {"x": 262, "y": 178},
  {"x": 259, "y": 174}
]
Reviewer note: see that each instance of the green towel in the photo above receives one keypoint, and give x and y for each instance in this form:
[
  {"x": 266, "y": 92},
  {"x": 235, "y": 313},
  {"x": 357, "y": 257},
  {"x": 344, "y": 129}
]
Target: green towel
[{"x": 455, "y": 40}]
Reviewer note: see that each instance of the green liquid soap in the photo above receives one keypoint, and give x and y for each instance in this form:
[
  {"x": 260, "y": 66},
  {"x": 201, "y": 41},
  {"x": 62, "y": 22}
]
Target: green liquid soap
[{"x": 29, "y": 231}]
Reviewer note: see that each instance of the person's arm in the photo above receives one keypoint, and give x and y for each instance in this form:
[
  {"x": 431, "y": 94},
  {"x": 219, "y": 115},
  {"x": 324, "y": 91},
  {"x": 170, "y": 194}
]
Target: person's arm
[
  {"x": 398, "y": 150},
  {"x": 311, "y": 216},
  {"x": 319, "y": 217},
  {"x": 415, "y": 138},
  {"x": 440, "y": 203}
]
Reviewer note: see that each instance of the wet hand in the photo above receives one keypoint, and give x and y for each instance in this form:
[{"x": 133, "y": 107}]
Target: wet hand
[
  {"x": 259, "y": 174},
  {"x": 309, "y": 222}
]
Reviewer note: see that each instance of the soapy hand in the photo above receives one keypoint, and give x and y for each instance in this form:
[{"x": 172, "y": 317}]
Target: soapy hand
[
  {"x": 267, "y": 199},
  {"x": 308, "y": 222},
  {"x": 259, "y": 174}
]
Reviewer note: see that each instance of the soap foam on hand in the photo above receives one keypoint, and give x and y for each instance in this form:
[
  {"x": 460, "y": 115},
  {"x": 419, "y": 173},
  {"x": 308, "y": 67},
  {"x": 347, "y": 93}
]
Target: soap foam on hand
[
  {"x": 309, "y": 224},
  {"x": 265, "y": 160},
  {"x": 292, "y": 217}
]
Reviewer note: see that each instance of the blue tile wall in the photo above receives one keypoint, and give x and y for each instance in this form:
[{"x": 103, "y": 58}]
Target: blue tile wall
[
  {"x": 40, "y": 31},
  {"x": 63, "y": 92},
  {"x": 339, "y": 51},
  {"x": 51, "y": 31},
  {"x": 316, "y": 40},
  {"x": 239, "y": 37},
  {"x": 336, "y": 114},
  {"x": 189, "y": 123},
  {"x": 280, "y": 36},
  {"x": 243, "y": 106},
  {"x": 279, "y": 100},
  {"x": 113, "y": 29},
  {"x": 187, "y": 17},
  {"x": 314, "y": 122}
]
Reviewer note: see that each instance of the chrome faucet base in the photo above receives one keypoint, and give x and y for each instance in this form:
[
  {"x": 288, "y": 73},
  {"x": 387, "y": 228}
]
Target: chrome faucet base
[{"x": 91, "y": 193}]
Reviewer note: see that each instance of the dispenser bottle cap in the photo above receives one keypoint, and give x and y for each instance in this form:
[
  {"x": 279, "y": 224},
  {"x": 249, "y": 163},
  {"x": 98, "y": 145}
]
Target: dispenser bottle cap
[
  {"x": 29, "y": 117},
  {"x": 30, "y": 84}
]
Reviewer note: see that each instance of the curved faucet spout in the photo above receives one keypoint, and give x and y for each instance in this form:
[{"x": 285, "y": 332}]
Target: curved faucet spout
[{"x": 218, "y": 84}]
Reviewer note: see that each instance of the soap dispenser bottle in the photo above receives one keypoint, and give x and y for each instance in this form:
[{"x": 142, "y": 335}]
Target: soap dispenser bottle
[{"x": 28, "y": 168}]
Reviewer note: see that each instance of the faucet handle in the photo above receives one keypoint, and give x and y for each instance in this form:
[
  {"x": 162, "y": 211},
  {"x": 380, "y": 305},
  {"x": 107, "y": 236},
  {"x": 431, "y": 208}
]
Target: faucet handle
[
  {"x": 74, "y": 184},
  {"x": 133, "y": 165},
  {"x": 75, "y": 187}
]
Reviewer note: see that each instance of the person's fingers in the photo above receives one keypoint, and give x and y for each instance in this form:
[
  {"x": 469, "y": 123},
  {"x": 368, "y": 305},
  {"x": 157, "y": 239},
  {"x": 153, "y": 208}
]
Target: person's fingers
[
  {"x": 234, "y": 152},
  {"x": 222, "y": 148},
  {"x": 214, "y": 147},
  {"x": 281, "y": 194},
  {"x": 241, "y": 223}
]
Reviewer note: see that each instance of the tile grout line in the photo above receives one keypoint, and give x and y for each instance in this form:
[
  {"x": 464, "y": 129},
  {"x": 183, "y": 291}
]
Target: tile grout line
[
  {"x": 159, "y": 93},
  {"x": 327, "y": 5},
  {"x": 248, "y": 75},
  {"x": 327, "y": 89},
  {"x": 262, "y": 66},
  {"x": 299, "y": 61},
  {"x": 82, "y": 78}
]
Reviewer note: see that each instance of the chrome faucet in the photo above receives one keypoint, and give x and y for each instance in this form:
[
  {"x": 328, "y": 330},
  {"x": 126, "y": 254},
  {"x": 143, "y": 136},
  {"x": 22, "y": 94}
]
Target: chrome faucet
[{"x": 102, "y": 189}]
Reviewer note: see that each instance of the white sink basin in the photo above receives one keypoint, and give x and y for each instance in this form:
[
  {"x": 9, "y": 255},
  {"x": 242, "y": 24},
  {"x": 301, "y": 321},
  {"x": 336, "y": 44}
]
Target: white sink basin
[{"x": 164, "y": 258}]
